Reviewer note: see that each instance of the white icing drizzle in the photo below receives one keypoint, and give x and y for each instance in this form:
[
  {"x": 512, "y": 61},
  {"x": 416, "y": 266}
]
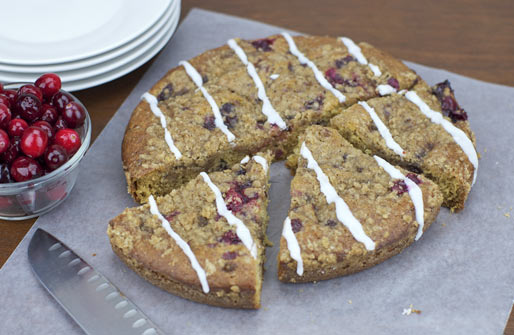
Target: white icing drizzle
[
  {"x": 414, "y": 191},
  {"x": 343, "y": 213},
  {"x": 317, "y": 73},
  {"x": 197, "y": 79},
  {"x": 383, "y": 130},
  {"x": 385, "y": 89},
  {"x": 267, "y": 108},
  {"x": 458, "y": 135},
  {"x": 274, "y": 76},
  {"x": 241, "y": 230},
  {"x": 152, "y": 101},
  {"x": 262, "y": 161},
  {"x": 245, "y": 160},
  {"x": 292, "y": 245},
  {"x": 181, "y": 243},
  {"x": 375, "y": 69},
  {"x": 356, "y": 52}
]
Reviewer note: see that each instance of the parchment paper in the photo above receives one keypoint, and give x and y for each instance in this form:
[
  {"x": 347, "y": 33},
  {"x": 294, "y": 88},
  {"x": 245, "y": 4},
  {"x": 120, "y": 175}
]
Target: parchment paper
[{"x": 459, "y": 274}]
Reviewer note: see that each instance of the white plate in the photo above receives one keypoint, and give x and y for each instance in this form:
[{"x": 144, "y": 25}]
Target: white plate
[
  {"x": 80, "y": 74},
  {"x": 121, "y": 71},
  {"x": 87, "y": 62},
  {"x": 57, "y": 31}
]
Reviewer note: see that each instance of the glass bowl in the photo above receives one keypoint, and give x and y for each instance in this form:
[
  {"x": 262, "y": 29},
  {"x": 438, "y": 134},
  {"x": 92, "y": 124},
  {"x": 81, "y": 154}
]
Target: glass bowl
[{"x": 31, "y": 198}]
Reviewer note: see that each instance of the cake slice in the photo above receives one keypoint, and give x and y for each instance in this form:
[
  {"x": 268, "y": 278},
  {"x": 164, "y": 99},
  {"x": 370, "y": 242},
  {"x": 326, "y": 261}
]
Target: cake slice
[
  {"x": 395, "y": 127},
  {"x": 349, "y": 211},
  {"x": 204, "y": 241}
]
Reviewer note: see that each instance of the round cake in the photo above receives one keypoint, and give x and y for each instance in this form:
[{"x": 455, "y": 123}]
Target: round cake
[{"x": 375, "y": 152}]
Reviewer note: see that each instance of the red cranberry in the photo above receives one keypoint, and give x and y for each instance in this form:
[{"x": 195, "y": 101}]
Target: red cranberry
[
  {"x": 29, "y": 107},
  {"x": 400, "y": 187},
  {"x": 1, "y": 87},
  {"x": 333, "y": 77},
  {"x": 25, "y": 168},
  {"x": 11, "y": 95},
  {"x": 60, "y": 100},
  {"x": 5, "y": 100},
  {"x": 4, "y": 141},
  {"x": 442, "y": 89},
  {"x": 55, "y": 156},
  {"x": 31, "y": 89},
  {"x": 60, "y": 124},
  {"x": 263, "y": 44},
  {"x": 394, "y": 83},
  {"x": 230, "y": 237},
  {"x": 343, "y": 61},
  {"x": 12, "y": 152},
  {"x": 69, "y": 139},
  {"x": 230, "y": 118},
  {"x": 458, "y": 115},
  {"x": 296, "y": 225},
  {"x": 166, "y": 93},
  {"x": 448, "y": 104},
  {"x": 34, "y": 141},
  {"x": 49, "y": 114},
  {"x": 208, "y": 122},
  {"x": 17, "y": 127},
  {"x": 49, "y": 84},
  {"x": 5, "y": 116},
  {"x": 74, "y": 115},
  {"x": 5, "y": 175},
  {"x": 47, "y": 127},
  {"x": 236, "y": 198}
]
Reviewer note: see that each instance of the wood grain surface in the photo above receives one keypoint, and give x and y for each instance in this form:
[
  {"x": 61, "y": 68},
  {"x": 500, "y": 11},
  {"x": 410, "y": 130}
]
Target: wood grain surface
[{"x": 470, "y": 37}]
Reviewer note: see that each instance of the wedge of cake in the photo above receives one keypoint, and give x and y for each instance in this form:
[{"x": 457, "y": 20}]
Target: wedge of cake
[
  {"x": 421, "y": 131},
  {"x": 204, "y": 241},
  {"x": 349, "y": 211},
  {"x": 245, "y": 97}
]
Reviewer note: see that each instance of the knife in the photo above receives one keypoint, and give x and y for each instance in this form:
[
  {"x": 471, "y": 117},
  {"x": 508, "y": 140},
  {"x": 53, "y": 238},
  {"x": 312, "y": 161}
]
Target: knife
[{"x": 90, "y": 299}]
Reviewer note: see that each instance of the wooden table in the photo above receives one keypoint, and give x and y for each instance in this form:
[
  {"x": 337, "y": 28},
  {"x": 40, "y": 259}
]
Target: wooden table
[{"x": 470, "y": 37}]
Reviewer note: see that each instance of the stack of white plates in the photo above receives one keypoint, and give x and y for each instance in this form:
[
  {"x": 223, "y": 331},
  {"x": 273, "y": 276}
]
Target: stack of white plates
[{"x": 87, "y": 43}]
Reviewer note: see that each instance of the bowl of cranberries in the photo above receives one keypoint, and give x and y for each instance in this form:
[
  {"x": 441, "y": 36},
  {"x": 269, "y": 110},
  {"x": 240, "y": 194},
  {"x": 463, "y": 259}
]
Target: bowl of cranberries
[{"x": 44, "y": 133}]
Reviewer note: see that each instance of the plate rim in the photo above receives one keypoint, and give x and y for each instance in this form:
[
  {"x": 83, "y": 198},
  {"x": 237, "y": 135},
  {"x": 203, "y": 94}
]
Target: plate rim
[
  {"x": 122, "y": 70},
  {"x": 98, "y": 69},
  {"x": 90, "y": 53},
  {"x": 94, "y": 60}
]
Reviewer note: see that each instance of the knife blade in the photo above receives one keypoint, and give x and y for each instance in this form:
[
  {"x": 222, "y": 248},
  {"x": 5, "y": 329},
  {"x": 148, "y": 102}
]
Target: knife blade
[{"x": 90, "y": 299}]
